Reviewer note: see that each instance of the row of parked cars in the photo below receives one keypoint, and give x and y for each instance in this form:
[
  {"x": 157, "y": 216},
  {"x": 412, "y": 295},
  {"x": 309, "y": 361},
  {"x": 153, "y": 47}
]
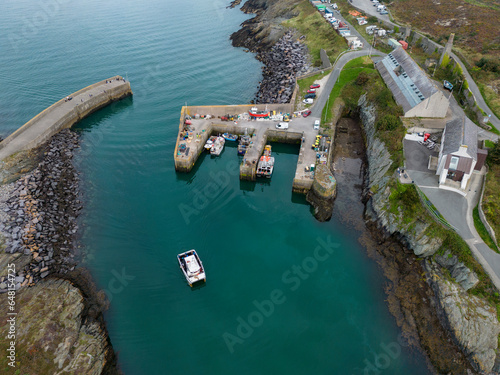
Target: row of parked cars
[
  {"x": 380, "y": 8},
  {"x": 311, "y": 93}
]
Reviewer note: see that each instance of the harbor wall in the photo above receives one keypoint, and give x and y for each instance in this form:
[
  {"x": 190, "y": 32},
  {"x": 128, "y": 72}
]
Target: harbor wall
[
  {"x": 223, "y": 110},
  {"x": 57, "y": 117}
]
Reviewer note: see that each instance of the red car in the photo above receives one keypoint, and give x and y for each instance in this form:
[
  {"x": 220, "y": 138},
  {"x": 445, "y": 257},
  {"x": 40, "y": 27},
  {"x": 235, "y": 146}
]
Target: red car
[
  {"x": 315, "y": 86},
  {"x": 306, "y": 113},
  {"x": 311, "y": 91}
]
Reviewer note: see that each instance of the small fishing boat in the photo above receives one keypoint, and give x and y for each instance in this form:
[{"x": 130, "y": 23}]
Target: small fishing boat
[
  {"x": 192, "y": 267},
  {"x": 230, "y": 137},
  {"x": 243, "y": 144},
  {"x": 265, "y": 166},
  {"x": 208, "y": 146},
  {"x": 218, "y": 146},
  {"x": 254, "y": 112}
]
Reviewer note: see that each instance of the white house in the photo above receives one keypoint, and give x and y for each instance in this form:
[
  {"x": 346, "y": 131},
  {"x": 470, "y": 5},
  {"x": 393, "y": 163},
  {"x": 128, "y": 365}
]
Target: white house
[
  {"x": 459, "y": 155},
  {"x": 411, "y": 87}
]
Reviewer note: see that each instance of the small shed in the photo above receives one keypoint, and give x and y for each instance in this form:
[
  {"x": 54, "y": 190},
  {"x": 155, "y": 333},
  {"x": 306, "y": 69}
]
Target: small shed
[{"x": 403, "y": 44}]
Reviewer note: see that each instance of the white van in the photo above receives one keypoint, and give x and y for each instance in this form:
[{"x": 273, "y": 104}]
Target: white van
[
  {"x": 316, "y": 125},
  {"x": 282, "y": 125},
  {"x": 380, "y": 8}
]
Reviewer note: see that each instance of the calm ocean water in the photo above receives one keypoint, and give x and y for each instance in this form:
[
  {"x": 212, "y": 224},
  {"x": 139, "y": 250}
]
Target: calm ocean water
[{"x": 329, "y": 317}]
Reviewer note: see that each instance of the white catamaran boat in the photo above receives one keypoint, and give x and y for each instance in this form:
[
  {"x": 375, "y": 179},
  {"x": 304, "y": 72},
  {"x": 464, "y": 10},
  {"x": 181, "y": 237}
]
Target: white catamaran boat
[
  {"x": 192, "y": 267},
  {"x": 265, "y": 166},
  {"x": 218, "y": 146}
]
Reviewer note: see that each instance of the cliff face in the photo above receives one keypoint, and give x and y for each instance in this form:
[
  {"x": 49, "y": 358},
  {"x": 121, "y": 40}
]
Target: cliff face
[
  {"x": 472, "y": 321},
  {"x": 262, "y": 31},
  {"x": 55, "y": 332},
  {"x": 59, "y": 326}
]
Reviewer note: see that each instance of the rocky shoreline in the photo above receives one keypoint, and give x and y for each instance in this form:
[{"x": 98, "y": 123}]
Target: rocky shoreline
[
  {"x": 426, "y": 290},
  {"x": 39, "y": 206},
  {"x": 285, "y": 60},
  {"x": 283, "y": 55}
]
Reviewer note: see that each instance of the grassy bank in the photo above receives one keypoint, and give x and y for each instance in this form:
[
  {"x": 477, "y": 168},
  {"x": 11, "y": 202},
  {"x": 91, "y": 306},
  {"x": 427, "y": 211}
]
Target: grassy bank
[
  {"x": 481, "y": 229},
  {"x": 404, "y": 204},
  {"x": 348, "y": 75},
  {"x": 318, "y": 31},
  {"x": 491, "y": 198}
]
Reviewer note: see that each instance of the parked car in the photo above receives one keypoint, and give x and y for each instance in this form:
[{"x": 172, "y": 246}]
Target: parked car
[
  {"x": 384, "y": 11},
  {"x": 316, "y": 125},
  {"x": 306, "y": 113},
  {"x": 315, "y": 86},
  {"x": 311, "y": 91},
  {"x": 308, "y": 101},
  {"x": 310, "y": 96}
]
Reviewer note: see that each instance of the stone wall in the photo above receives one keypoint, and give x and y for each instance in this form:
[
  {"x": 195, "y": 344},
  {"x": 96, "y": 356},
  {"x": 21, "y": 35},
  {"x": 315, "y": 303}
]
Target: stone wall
[
  {"x": 65, "y": 119},
  {"x": 223, "y": 110}
]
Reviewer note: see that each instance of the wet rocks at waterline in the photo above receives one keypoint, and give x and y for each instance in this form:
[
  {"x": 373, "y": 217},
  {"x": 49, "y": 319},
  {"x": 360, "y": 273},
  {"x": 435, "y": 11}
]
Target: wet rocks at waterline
[
  {"x": 39, "y": 213},
  {"x": 283, "y": 62}
]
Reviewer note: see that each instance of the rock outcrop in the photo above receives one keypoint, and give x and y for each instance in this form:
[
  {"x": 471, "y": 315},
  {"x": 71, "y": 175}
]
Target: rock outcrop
[
  {"x": 59, "y": 322},
  {"x": 472, "y": 321},
  {"x": 262, "y": 31},
  {"x": 59, "y": 331}
]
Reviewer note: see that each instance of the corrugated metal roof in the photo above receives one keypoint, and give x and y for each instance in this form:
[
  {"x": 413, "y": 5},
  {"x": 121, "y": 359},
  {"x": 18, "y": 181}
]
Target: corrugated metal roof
[
  {"x": 408, "y": 83},
  {"x": 460, "y": 132}
]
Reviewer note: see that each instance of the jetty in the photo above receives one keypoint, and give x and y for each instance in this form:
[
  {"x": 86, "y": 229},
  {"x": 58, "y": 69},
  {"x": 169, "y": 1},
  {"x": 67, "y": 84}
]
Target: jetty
[
  {"x": 210, "y": 120},
  {"x": 64, "y": 114}
]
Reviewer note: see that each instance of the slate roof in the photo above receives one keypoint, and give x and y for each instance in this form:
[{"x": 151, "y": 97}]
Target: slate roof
[
  {"x": 460, "y": 132},
  {"x": 408, "y": 83}
]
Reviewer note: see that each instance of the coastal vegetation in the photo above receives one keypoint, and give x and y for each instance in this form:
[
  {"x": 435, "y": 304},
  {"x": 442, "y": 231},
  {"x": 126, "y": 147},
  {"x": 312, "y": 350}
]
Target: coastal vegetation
[
  {"x": 481, "y": 230},
  {"x": 491, "y": 198},
  {"x": 473, "y": 23},
  {"x": 318, "y": 33},
  {"x": 360, "y": 77}
]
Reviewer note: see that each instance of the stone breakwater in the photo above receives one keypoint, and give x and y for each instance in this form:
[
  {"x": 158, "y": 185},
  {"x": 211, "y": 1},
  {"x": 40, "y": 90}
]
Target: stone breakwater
[
  {"x": 286, "y": 59},
  {"x": 40, "y": 214}
]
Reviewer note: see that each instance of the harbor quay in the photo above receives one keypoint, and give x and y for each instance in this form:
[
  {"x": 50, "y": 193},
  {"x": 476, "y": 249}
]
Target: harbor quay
[
  {"x": 198, "y": 123},
  {"x": 64, "y": 114}
]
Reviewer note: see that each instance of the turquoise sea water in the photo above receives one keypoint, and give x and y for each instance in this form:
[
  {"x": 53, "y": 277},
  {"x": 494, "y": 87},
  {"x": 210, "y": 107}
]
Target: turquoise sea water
[{"x": 259, "y": 243}]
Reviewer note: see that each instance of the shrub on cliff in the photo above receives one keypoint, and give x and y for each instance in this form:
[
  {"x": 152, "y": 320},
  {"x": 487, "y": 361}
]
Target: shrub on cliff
[
  {"x": 494, "y": 154},
  {"x": 388, "y": 122}
]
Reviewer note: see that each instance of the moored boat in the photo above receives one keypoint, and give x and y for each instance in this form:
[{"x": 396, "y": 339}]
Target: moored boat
[
  {"x": 218, "y": 146},
  {"x": 192, "y": 267},
  {"x": 230, "y": 137},
  {"x": 243, "y": 144},
  {"x": 254, "y": 112},
  {"x": 265, "y": 166},
  {"x": 210, "y": 142}
]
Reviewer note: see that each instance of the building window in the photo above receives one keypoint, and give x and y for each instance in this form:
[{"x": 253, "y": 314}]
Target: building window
[{"x": 453, "y": 163}]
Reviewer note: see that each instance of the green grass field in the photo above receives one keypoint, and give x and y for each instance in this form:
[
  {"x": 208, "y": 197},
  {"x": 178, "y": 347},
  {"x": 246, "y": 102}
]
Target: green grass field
[
  {"x": 318, "y": 31},
  {"x": 348, "y": 74}
]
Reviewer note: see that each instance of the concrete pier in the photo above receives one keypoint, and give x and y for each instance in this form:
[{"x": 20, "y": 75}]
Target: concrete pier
[
  {"x": 64, "y": 114},
  {"x": 300, "y": 131}
]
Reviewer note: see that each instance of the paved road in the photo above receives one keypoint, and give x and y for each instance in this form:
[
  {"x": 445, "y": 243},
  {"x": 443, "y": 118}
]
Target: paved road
[
  {"x": 319, "y": 104},
  {"x": 457, "y": 210},
  {"x": 367, "y": 7}
]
